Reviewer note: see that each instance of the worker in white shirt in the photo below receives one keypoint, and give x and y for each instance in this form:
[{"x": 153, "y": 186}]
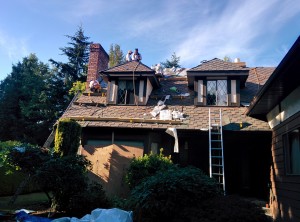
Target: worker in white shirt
[
  {"x": 128, "y": 56},
  {"x": 136, "y": 55}
]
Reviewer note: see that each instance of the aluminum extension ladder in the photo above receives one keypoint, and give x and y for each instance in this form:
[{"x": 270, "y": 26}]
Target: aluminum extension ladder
[{"x": 216, "y": 153}]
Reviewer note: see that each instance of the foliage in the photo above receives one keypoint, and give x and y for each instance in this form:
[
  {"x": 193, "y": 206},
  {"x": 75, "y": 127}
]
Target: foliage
[
  {"x": 116, "y": 55},
  {"x": 31, "y": 99},
  {"x": 67, "y": 137},
  {"x": 28, "y": 158},
  {"x": 91, "y": 198},
  {"x": 65, "y": 177},
  {"x": 163, "y": 196},
  {"x": 78, "y": 54},
  {"x": 77, "y": 87},
  {"x": 5, "y": 148},
  {"x": 224, "y": 208},
  {"x": 145, "y": 166},
  {"x": 173, "y": 62},
  {"x": 227, "y": 59}
]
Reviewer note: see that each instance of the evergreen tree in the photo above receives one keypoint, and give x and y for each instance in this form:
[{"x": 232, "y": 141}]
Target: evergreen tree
[
  {"x": 78, "y": 56},
  {"x": 174, "y": 62},
  {"x": 116, "y": 55},
  {"x": 31, "y": 99}
]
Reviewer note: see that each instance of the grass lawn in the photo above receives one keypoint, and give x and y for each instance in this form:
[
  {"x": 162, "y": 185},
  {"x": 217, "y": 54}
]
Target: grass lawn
[{"x": 32, "y": 201}]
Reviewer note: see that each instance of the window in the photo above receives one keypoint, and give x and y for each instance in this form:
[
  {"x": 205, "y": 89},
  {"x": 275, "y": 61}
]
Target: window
[
  {"x": 126, "y": 92},
  {"x": 200, "y": 91},
  {"x": 292, "y": 152},
  {"x": 216, "y": 94}
]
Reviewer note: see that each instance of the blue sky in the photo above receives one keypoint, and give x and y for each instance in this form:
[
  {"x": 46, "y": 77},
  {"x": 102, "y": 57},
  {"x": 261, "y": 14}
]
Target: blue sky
[{"x": 258, "y": 32}]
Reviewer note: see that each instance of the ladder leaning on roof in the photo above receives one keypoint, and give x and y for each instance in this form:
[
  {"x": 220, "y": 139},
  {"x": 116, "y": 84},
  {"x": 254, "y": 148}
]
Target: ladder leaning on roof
[{"x": 216, "y": 154}]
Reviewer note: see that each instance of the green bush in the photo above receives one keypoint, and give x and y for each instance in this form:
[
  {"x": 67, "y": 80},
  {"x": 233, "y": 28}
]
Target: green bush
[
  {"x": 224, "y": 209},
  {"x": 67, "y": 137},
  {"x": 64, "y": 177},
  {"x": 145, "y": 166},
  {"x": 163, "y": 196},
  {"x": 91, "y": 198}
]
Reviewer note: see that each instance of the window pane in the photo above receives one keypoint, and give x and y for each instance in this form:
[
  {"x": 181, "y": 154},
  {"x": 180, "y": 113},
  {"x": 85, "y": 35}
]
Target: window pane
[
  {"x": 294, "y": 152},
  {"x": 211, "y": 92},
  {"x": 222, "y": 92}
]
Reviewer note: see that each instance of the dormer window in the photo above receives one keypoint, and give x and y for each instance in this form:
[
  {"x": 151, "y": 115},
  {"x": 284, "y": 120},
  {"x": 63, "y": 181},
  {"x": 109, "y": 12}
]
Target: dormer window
[
  {"x": 217, "y": 83},
  {"x": 127, "y": 92},
  {"x": 216, "y": 92}
]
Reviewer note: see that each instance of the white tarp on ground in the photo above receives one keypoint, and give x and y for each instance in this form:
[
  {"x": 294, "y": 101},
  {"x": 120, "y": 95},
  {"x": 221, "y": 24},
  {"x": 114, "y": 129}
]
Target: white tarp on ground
[{"x": 101, "y": 215}]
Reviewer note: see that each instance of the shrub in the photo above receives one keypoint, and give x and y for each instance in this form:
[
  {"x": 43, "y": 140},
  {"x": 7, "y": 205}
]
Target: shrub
[
  {"x": 163, "y": 196},
  {"x": 67, "y": 137},
  {"x": 91, "y": 198},
  {"x": 145, "y": 166},
  {"x": 64, "y": 177},
  {"x": 224, "y": 209}
]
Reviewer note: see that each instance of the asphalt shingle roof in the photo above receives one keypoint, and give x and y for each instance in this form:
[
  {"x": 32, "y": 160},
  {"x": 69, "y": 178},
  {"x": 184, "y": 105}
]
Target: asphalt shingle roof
[
  {"x": 217, "y": 65},
  {"x": 130, "y": 67},
  {"x": 196, "y": 118}
]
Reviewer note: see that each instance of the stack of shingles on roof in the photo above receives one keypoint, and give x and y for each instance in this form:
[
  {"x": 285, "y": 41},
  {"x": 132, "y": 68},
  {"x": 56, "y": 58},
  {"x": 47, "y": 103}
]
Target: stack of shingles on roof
[{"x": 234, "y": 118}]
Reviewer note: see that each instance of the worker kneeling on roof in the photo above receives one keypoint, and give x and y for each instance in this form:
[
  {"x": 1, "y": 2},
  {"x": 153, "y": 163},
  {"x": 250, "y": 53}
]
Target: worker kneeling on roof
[{"x": 94, "y": 86}]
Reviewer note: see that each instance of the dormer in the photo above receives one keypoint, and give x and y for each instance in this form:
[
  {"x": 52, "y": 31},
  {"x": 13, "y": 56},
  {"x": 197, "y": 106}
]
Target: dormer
[
  {"x": 130, "y": 83},
  {"x": 217, "y": 83}
]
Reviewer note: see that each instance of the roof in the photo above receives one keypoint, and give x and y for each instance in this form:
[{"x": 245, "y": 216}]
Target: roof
[
  {"x": 129, "y": 67},
  {"x": 256, "y": 79},
  {"x": 218, "y": 65},
  {"x": 281, "y": 83},
  {"x": 92, "y": 111}
]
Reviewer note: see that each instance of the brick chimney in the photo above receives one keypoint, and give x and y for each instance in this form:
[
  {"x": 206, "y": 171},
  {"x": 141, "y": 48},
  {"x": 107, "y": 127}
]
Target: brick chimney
[{"x": 98, "y": 61}]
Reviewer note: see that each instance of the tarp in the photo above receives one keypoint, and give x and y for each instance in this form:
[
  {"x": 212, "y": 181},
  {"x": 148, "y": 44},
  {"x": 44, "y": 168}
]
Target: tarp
[
  {"x": 97, "y": 215},
  {"x": 101, "y": 215}
]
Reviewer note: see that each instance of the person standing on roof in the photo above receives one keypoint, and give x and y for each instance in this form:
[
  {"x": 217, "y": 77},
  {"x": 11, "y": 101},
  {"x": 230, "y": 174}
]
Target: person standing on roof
[
  {"x": 136, "y": 55},
  {"x": 128, "y": 56}
]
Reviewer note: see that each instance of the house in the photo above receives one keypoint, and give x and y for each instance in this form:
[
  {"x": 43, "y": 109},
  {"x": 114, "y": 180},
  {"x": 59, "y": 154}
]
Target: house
[
  {"x": 130, "y": 118},
  {"x": 278, "y": 103}
]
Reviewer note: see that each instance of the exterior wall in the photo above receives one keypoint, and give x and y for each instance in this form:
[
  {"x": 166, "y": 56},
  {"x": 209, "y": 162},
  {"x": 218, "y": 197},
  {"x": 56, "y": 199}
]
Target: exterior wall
[
  {"x": 110, "y": 164},
  {"x": 247, "y": 155},
  {"x": 285, "y": 189},
  {"x": 98, "y": 61}
]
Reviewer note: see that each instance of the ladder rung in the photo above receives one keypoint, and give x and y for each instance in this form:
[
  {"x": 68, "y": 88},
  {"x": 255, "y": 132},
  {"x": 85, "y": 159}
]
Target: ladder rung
[
  {"x": 216, "y": 140},
  {"x": 214, "y": 133},
  {"x": 216, "y": 148},
  {"x": 215, "y": 112},
  {"x": 217, "y": 174},
  {"x": 217, "y": 165},
  {"x": 216, "y": 157},
  {"x": 214, "y": 124}
]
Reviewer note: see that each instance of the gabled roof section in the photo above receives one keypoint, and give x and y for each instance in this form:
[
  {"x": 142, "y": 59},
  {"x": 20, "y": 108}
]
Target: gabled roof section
[
  {"x": 129, "y": 67},
  {"x": 218, "y": 65},
  {"x": 255, "y": 81}
]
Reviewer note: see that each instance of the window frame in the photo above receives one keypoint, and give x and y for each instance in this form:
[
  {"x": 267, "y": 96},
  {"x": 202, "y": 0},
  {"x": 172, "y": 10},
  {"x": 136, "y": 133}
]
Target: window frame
[
  {"x": 200, "y": 89},
  {"x": 139, "y": 96},
  {"x": 287, "y": 152}
]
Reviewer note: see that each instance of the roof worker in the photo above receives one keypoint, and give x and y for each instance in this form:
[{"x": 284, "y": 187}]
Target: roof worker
[
  {"x": 128, "y": 56},
  {"x": 136, "y": 55},
  {"x": 94, "y": 86}
]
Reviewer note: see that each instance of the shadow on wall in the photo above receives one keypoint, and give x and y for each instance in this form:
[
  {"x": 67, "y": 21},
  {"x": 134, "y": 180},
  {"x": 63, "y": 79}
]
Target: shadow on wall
[{"x": 109, "y": 166}]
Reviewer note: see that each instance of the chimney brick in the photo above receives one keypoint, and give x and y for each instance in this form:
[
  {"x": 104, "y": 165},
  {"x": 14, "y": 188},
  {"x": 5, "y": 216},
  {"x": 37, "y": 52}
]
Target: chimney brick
[{"x": 98, "y": 61}]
